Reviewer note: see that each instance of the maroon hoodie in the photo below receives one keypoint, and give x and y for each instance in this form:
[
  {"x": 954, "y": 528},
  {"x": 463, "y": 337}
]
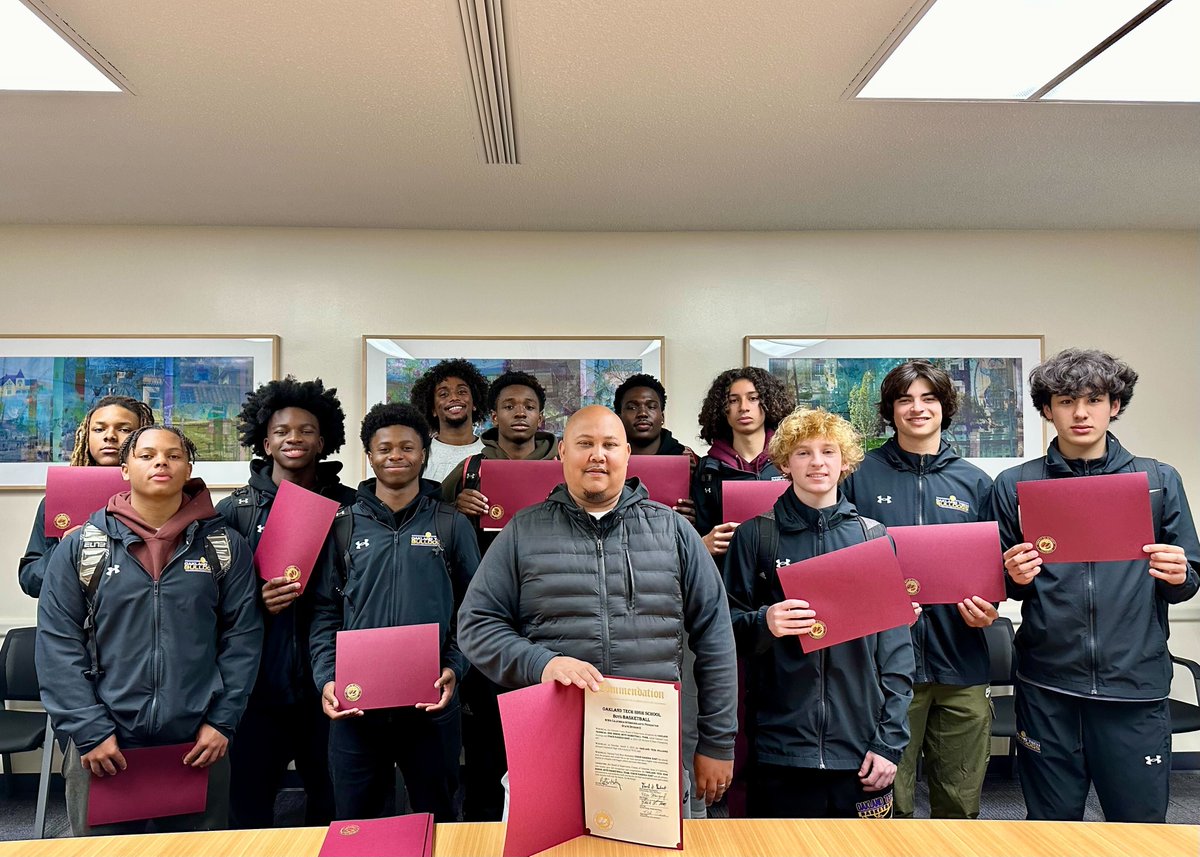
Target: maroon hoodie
[
  {"x": 157, "y": 546},
  {"x": 723, "y": 451}
]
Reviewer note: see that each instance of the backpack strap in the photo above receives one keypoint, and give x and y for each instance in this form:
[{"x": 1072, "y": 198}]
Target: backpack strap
[
  {"x": 93, "y": 554},
  {"x": 871, "y": 528},
  {"x": 218, "y": 553},
  {"x": 245, "y": 509},
  {"x": 768, "y": 550},
  {"x": 470, "y": 471},
  {"x": 443, "y": 527},
  {"x": 1032, "y": 470},
  {"x": 343, "y": 529},
  {"x": 1149, "y": 466}
]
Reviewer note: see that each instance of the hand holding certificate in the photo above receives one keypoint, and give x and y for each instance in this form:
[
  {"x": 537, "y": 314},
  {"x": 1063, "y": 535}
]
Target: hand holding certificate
[
  {"x": 155, "y": 783},
  {"x": 387, "y": 667},
  {"x": 949, "y": 563},
  {"x": 854, "y": 591},
  {"x": 294, "y": 534},
  {"x": 1087, "y": 518},
  {"x": 628, "y": 784},
  {"x": 510, "y": 486}
]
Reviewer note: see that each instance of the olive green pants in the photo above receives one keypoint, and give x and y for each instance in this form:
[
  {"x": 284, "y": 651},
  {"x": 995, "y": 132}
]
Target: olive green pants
[{"x": 951, "y": 727}]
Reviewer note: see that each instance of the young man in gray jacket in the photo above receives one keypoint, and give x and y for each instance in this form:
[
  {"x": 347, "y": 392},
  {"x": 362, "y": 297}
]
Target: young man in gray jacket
[{"x": 605, "y": 581}]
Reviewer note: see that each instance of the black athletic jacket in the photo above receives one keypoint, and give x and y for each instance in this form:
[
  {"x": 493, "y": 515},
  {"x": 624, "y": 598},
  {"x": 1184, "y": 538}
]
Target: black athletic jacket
[
  {"x": 285, "y": 674},
  {"x": 1099, "y": 629},
  {"x": 396, "y": 575},
  {"x": 900, "y": 488},
  {"x": 829, "y": 708}
]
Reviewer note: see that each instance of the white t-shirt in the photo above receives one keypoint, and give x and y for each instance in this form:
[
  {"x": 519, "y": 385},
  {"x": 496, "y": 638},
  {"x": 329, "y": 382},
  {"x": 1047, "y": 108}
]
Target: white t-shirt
[{"x": 443, "y": 457}]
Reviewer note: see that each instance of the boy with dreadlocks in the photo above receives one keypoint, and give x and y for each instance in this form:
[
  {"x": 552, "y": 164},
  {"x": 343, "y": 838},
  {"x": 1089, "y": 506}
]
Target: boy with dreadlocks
[
  {"x": 98, "y": 439},
  {"x": 451, "y": 397},
  {"x": 292, "y": 426}
]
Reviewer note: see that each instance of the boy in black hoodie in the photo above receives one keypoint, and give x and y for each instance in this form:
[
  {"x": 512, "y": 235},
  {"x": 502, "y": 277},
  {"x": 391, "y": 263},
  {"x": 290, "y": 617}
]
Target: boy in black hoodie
[{"x": 292, "y": 426}]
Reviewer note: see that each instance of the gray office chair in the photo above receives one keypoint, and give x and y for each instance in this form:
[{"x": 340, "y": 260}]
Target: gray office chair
[{"x": 24, "y": 731}]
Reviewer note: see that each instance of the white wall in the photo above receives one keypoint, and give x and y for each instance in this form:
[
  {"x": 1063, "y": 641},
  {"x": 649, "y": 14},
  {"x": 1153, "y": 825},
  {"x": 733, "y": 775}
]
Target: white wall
[{"x": 1134, "y": 293}]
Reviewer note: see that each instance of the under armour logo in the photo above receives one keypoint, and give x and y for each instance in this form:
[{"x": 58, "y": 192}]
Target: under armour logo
[
  {"x": 780, "y": 563},
  {"x": 879, "y": 498},
  {"x": 260, "y": 528},
  {"x": 1154, "y": 760},
  {"x": 116, "y": 569},
  {"x": 243, "y": 501},
  {"x": 363, "y": 544}
]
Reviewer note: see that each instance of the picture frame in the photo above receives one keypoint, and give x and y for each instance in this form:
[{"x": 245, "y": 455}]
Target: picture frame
[
  {"x": 996, "y": 427},
  {"x": 575, "y": 370},
  {"x": 197, "y": 382}
]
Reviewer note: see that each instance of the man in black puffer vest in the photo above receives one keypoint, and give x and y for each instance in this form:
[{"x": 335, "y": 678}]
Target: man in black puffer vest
[{"x": 600, "y": 580}]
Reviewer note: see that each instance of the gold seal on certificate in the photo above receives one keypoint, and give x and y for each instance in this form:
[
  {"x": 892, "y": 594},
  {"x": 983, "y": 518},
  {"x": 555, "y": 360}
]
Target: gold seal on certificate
[
  {"x": 353, "y": 693},
  {"x": 496, "y": 512},
  {"x": 818, "y": 630},
  {"x": 62, "y": 521},
  {"x": 1046, "y": 544},
  {"x": 349, "y": 830},
  {"x": 912, "y": 586},
  {"x": 291, "y": 574}
]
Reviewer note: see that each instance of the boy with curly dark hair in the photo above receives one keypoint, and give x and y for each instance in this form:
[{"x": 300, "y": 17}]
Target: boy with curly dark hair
[
  {"x": 741, "y": 411},
  {"x": 451, "y": 397},
  {"x": 292, "y": 426},
  {"x": 408, "y": 559},
  {"x": 1093, "y": 669}
]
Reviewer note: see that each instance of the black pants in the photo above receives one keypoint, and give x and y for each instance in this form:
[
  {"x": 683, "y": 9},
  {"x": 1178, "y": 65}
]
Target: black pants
[
  {"x": 269, "y": 737},
  {"x": 1064, "y": 742},
  {"x": 364, "y": 750},
  {"x": 483, "y": 741},
  {"x": 777, "y": 791}
]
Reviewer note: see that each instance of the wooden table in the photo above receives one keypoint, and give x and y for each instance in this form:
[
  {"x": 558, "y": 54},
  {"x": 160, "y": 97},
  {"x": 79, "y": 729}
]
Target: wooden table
[{"x": 849, "y": 838}]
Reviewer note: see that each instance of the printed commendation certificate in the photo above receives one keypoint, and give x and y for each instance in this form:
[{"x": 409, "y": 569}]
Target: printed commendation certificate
[{"x": 632, "y": 766}]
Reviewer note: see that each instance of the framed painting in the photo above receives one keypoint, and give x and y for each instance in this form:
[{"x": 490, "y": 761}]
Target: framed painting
[
  {"x": 575, "y": 371},
  {"x": 996, "y": 426},
  {"x": 198, "y": 383}
]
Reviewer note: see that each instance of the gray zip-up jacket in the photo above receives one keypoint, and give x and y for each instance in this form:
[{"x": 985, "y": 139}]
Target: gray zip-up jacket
[{"x": 618, "y": 593}]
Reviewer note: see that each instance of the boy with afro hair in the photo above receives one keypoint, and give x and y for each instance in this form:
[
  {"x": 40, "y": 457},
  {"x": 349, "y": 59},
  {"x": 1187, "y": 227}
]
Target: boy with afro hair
[
  {"x": 292, "y": 426},
  {"x": 451, "y": 397}
]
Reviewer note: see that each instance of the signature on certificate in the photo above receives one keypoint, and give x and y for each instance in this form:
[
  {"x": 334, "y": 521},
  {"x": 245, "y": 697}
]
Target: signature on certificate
[{"x": 609, "y": 783}]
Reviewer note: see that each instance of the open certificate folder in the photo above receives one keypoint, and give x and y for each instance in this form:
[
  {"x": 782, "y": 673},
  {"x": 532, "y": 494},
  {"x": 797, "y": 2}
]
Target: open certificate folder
[{"x": 608, "y": 763}]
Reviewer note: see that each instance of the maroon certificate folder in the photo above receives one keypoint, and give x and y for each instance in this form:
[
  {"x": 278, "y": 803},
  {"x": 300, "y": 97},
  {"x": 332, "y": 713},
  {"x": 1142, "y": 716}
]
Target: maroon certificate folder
[
  {"x": 746, "y": 499},
  {"x": 408, "y": 835},
  {"x": 291, "y": 541},
  {"x": 155, "y": 783},
  {"x": 387, "y": 667},
  {"x": 1087, "y": 518},
  {"x": 947, "y": 563},
  {"x": 667, "y": 478},
  {"x": 73, "y": 493},
  {"x": 510, "y": 486},
  {"x": 543, "y": 737},
  {"x": 855, "y": 591}
]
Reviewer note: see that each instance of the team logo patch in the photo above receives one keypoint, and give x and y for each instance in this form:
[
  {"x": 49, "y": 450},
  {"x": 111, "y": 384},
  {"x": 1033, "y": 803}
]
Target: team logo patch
[
  {"x": 429, "y": 540},
  {"x": 291, "y": 574},
  {"x": 1046, "y": 544},
  {"x": 1028, "y": 743},
  {"x": 62, "y": 520},
  {"x": 349, "y": 830},
  {"x": 912, "y": 586},
  {"x": 353, "y": 693},
  {"x": 199, "y": 565},
  {"x": 876, "y": 807},
  {"x": 952, "y": 503},
  {"x": 818, "y": 630},
  {"x": 603, "y": 820},
  {"x": 496, "y": 513}
]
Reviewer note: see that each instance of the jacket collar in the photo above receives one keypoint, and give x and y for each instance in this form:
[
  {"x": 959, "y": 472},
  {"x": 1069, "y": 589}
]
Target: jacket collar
[
  {"x": 633, "y": 493},
  {"x": 794, "y": 516},
  {"x": 1115, "y": 459},
  {"x": 261, "y": 481},
  {"x": 901, "y": 459}
]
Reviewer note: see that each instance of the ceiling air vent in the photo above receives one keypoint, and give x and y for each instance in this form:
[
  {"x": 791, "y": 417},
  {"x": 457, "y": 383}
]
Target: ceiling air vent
[{"x": 485, "y": 39}]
